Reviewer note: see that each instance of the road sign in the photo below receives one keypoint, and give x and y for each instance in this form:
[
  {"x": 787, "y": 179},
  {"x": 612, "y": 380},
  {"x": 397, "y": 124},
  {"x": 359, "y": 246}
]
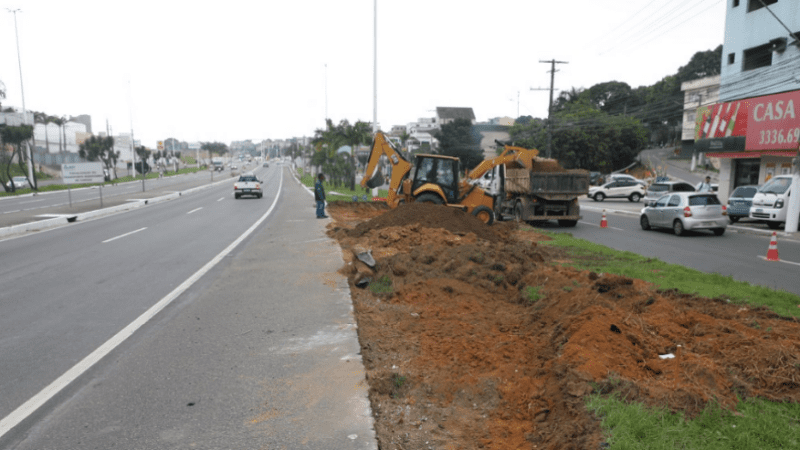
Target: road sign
[
  {"x": 80, "y": 173},
  {"x": 160, "y": 145}
]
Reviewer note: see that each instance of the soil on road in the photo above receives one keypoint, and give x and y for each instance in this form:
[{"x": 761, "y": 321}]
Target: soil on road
[{"x": 473, "y": 336}]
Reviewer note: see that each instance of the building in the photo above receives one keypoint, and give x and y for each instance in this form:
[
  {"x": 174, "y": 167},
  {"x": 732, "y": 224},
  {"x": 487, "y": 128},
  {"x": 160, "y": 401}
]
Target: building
[
  {"x": 755, "y": 125},
  {"x": 445, "y": 115}
]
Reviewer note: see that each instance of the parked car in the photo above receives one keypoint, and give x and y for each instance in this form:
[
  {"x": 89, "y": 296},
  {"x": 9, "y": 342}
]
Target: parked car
[
  {"x": 247, "y": 184},
  {"x": 657, "y": 190},
  {"x": 594, "y": 178},
  {"x": 740, "y": 201},
  {"x": 771, "y": 201},
  {"x": 19, "y": 182},
  {"x": 266, "y": 164},
  {"x": 683, "y": 211},
  {"x": 621, "y": 188},
  {"x": 623, "y": 176}
]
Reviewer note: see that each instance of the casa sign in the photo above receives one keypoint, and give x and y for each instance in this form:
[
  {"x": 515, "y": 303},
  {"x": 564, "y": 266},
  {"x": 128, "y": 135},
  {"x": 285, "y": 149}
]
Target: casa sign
[{"x": 771, "y": 122}]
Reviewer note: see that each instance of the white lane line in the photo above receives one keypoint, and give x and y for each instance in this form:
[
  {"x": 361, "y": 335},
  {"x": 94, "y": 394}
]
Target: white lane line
[
  {"x": 35, "y": 402},
  {"x": 196, "y": 209},
  {"x": 779, "y": 260},
  {"x": 9, "y": 212},
  {"x": 223, "y": 198},
  {"x": 123, "y": 235}
]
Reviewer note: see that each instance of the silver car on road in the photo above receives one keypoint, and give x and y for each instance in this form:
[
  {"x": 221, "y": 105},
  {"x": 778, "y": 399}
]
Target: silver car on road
[{"x": 683, "y": 211}]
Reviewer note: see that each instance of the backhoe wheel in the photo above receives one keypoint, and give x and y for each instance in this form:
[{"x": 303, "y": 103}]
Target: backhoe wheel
[
  {"x": 484, "y": 213},
  {"x": 430, "y": 198}
]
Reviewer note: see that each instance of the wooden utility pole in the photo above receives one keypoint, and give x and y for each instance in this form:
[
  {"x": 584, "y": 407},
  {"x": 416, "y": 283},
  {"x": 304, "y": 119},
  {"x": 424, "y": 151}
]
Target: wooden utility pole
[{"x": 552, "y": 63}]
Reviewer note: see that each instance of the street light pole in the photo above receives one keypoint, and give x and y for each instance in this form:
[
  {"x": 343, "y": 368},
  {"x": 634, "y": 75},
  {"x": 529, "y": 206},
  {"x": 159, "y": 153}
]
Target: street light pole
[
  {"x": 22, "y": 90},
  {"x": 375, "y": 68}
]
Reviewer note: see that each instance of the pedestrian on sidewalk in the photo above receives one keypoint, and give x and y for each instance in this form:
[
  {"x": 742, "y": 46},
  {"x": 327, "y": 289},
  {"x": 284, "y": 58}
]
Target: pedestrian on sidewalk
[
  {"x": 705, "y": 186},
  {"x": 319, "y": 196}
]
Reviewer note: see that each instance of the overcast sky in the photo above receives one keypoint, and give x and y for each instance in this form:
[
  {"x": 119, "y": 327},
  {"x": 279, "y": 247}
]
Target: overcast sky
[{"x": 246, "y": 69}]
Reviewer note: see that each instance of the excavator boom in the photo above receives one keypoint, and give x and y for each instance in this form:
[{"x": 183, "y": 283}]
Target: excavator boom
[{"x": 400, "y": 168}]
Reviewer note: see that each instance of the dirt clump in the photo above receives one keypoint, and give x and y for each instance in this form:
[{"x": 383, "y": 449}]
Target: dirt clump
[{"x": 472, "y": 338}]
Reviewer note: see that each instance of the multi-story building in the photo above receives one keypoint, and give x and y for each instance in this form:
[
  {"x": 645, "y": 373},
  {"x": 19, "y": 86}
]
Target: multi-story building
[{"x": 755, "y": 126}]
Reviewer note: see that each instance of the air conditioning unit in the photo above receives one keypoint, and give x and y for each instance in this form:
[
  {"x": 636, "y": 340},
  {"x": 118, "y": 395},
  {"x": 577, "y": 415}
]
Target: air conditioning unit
[{"x": 778, "y": 44}]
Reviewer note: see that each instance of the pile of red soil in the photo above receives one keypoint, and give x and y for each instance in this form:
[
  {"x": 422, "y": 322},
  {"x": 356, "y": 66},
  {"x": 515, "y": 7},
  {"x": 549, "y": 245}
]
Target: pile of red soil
[{"x": 474, "y": 339}]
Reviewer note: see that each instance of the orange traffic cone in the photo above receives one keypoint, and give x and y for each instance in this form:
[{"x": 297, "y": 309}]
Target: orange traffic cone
[
  {"x": 603, "y": 222},
  {"x": 772, "y": 253}
]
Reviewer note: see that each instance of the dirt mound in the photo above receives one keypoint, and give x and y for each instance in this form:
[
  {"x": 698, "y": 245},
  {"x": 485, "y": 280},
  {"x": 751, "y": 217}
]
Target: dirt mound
[
  {"x": 428, "y": 215},
  {"x": 473, "y": 343}
]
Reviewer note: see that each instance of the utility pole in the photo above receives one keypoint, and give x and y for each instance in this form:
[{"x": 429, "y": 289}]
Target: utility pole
[
  {"x": 24, "y": 110},
  {"x": 375, "y": 68},
  {"x": 552, "y": 63}
]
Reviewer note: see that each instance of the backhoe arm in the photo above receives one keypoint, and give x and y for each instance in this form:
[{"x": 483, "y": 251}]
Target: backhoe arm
[
  {"x": 518, "y": 155},
  {"x": 400, "y": 168}
]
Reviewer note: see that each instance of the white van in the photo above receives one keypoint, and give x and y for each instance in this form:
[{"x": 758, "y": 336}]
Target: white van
[{"x": 771, "y": 201}]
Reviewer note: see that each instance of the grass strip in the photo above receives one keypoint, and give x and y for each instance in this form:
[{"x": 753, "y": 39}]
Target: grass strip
[
  {"x": 586, "y": 255},
  {"x": 343, "y": 192}
]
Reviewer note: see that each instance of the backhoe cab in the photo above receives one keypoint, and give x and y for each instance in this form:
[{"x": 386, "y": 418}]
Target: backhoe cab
[{"x": 432, "y": 179}]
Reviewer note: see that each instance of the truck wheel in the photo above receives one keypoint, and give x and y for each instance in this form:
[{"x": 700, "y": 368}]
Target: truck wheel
[
  {"x": 485, "y": 214},
  {"x": 567, "y": 223},
  {"x": 430, "y": 198},
  {"x": 518, "y": 212}
]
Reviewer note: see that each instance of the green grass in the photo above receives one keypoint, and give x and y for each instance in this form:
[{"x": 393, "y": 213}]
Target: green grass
[
  {"x": 588, "y": 255},
  {"x": 346, "y": 193},
  {"x": 761, "y": 425},
  {"x": 532, "y": 294},
  {"x": 381, "y": 286}
]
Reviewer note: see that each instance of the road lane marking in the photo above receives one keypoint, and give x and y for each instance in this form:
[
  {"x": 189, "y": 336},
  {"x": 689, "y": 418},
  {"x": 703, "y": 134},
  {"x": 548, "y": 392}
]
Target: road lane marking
[
  {"x": 196, "y": 209},
  {"x": 123, "y": 235},
  {"x": 779, "y": 260},
  {"x": 35, "y": 402},
  {"x": 223, "y": 198}
]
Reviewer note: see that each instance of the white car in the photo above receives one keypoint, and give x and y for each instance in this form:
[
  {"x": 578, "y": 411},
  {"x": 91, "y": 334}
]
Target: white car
[
  {"x": 622, "y": 188},
  {"x": 19, "y": 182},
  {"x": 247, "y": 184},
  {"x": 684, "y": 211},
  {"x": 623, "y": 176}
]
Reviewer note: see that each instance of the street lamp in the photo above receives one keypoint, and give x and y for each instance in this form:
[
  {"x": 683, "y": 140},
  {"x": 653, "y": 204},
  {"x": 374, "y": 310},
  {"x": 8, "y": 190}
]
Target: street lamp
[{"x": 22, "y": 90}]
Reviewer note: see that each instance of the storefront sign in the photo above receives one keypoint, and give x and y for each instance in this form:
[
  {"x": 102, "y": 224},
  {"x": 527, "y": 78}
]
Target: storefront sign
[{"x": 771, "y": 122}]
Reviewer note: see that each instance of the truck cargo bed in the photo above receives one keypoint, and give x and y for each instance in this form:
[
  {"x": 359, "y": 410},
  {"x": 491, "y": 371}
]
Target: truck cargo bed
[{"x": 546, "y": 184}]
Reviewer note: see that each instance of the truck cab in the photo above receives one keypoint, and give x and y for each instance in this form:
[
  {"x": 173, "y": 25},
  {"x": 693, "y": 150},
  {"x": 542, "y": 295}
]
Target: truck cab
[{"x": 771, "y": 202}]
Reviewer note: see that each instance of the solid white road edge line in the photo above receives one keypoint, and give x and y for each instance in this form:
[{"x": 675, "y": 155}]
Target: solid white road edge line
[
  {"x": 196, "y": 209},
  {"x": 123, "y": 235},
  {"x": 779, "y": 260},
  {"x": 27, "y": 408}
]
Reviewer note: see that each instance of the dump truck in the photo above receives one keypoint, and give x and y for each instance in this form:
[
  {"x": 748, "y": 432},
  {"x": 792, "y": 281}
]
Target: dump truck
[{"x": 531, "y": 189}]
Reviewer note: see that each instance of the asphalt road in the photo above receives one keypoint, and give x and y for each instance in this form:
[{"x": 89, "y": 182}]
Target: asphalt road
[
  {"x": 30, "y": 208},
  {"x": 260, "y": 352}
]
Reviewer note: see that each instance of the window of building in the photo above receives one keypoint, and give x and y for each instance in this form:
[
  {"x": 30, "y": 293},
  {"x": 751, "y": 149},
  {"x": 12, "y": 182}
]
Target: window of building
[
  {"x": 753, "y": 5},
  {"x": 756, "y": 57},
  {"x": 735, "y": 3},
  {"x": 731, "y": 58}
]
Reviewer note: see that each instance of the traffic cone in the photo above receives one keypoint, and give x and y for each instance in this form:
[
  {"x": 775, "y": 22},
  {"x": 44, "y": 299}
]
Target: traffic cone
[
  {"x": 603, "y": 222},
  {"x": 772, "y": 253}
]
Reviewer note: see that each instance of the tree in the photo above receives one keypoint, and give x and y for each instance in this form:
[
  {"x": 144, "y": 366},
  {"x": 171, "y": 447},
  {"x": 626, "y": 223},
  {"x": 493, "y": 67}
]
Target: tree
[
  {"x": 15, "y": 136},
  {"x": 217, "y": 148},
  {"x": 585, "y": 137},
  {"x": 144, "y": 154},
  {"x": 101, "y": 149},
  {"x": 458, "y": 139},
  {"x": 355, "y": 135}
]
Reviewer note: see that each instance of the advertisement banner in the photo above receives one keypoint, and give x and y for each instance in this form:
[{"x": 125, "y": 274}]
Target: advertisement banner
[
  {"x": 773, "y": 123},
  {"x": 770, "y": 122}
]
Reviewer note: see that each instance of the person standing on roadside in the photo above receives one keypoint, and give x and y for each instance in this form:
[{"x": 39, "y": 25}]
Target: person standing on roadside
[
  {"x": 319, "y": 196},
  {"x": 705, "y": 186}
]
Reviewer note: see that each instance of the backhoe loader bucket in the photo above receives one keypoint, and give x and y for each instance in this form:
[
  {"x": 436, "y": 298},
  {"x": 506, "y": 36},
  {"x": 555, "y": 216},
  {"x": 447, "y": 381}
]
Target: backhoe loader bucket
[{"x": 376, "y": 180}]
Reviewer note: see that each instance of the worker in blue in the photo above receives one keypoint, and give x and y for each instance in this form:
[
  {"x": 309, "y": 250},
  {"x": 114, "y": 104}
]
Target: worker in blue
[{"x": 319, "y": 196}]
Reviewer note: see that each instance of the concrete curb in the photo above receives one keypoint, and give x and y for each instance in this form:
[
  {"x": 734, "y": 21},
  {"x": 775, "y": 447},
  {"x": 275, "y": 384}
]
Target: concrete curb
[{"x": 43, "y": 225}]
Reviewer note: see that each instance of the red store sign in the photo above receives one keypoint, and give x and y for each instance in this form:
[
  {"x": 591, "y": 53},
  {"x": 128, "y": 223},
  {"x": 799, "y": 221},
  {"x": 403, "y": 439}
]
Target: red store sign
[{"x": 771, "y": 122}]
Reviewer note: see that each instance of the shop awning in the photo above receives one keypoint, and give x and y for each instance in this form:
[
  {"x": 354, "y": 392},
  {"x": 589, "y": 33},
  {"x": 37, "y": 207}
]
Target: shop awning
[{"x": 757, "y": 154}]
